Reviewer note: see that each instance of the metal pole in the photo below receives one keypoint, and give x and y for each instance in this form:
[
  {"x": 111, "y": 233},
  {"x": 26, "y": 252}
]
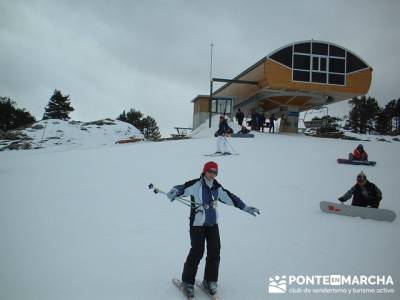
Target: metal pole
[{"x": 211, "y": 87}]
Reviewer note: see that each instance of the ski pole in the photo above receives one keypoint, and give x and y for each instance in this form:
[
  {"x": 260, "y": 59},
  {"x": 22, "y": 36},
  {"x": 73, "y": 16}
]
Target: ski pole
[
  {"x": 230, "y": 145},
  {"x": 187, "y": 202}
]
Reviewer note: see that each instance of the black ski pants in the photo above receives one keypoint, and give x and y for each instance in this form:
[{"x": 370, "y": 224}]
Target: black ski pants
[{"x": 198, "y": 236}]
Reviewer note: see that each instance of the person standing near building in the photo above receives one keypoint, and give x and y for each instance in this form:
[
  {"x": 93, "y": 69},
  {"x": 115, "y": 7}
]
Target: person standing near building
[
  {"x": 272, "y": 119},
  {"x": 262, "y": 121},
  {"x": 239, "y": 117}
]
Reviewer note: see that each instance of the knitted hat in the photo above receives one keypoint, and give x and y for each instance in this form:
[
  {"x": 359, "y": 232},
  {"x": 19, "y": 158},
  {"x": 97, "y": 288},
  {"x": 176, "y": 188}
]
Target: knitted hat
[
  {"x": 362, "y": 174},
  {"x": 210, "y": 165}
]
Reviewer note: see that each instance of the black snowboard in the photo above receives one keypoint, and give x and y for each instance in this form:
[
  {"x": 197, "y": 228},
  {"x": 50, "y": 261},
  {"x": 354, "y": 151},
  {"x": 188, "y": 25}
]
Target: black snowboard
[{"x": 356, "y": 162}]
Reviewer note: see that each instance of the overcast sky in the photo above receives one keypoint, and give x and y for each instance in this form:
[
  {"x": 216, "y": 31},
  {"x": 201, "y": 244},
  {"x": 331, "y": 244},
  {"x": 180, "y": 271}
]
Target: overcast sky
[{"x": 154, "y": 56}]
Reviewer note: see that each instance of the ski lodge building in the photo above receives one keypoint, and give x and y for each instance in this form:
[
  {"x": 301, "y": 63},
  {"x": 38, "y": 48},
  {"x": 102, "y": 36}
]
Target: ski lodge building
[{"x": 294, "y": 78}]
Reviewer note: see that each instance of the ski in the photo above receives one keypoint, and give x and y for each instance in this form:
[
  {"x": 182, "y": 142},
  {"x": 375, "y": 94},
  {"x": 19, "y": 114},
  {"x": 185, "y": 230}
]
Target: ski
[
  {"x": 356, "y": 162},
  {"x": 178, "y": 284},
  {"x": 200, "y": 286},
  {"x": 379, "y": 214},
  {"x": 220, "y": 154}
]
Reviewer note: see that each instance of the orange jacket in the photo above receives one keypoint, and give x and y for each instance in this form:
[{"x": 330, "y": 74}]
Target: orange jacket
[{"x": 358, "y": 155}]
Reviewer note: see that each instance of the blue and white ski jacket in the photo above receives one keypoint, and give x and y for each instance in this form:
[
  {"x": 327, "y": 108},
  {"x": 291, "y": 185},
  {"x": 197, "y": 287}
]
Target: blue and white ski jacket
[{"x": 200, "y": 192}]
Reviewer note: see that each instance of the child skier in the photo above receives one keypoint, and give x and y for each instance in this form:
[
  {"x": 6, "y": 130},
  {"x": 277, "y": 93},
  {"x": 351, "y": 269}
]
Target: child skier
[
  {"x": 204, "y": 225},
  {"x": 223, "y": 131}
]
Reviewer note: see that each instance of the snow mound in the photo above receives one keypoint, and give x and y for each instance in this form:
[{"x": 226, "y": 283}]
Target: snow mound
[{"x": 59, "y": 133}]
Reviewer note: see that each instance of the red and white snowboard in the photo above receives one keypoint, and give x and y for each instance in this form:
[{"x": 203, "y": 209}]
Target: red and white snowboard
[{"x": 379, "y": 214}]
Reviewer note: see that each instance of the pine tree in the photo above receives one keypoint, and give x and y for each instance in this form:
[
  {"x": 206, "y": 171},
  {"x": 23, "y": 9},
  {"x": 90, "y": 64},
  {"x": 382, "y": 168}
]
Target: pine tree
[
  {"x": 147, "y": 125},
  {"x": 59, "y": 107},
  {"x": 363, "y": 115},
  {"x": 12, "y": 117},
  {"x": 122, "y": 117},
  {"x": 383, "y": 122},
  {"x": 396, "y": 115},
  {"x": 134, "y": 117},
  {"x": 150, "y": 129}
]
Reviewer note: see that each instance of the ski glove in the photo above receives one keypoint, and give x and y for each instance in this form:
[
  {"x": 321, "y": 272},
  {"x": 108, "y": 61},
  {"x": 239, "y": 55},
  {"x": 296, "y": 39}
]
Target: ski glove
[
  {"x": 342, "y": 199},
  {"x": 251, "y": 210},
  {"x": 172, "y": 194}
]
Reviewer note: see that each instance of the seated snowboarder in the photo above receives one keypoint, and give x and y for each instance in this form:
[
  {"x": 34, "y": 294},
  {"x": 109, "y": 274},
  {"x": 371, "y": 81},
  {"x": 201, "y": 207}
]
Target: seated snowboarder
[
  {"x": 364, "y": 193},
  {"x": 204, "y": 225},
  {"x": 359, "y": 154},
  {"x": 243, "y": 130}
]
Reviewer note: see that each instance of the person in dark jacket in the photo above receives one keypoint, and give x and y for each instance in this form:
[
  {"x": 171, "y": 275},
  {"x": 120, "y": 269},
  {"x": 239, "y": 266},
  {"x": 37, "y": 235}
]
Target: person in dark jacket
[
  {"x": 223, "y": 131},
  {"x": 239, "y": 117},
  {"x": 272, "y": 119},
  {"x": 364, "y": 193},
  {"x": 262, "y": 121},
  {"x": 253, "y": 121},
  {"x": 204, "y": 225},
  {"x": 359, "y": 153}
]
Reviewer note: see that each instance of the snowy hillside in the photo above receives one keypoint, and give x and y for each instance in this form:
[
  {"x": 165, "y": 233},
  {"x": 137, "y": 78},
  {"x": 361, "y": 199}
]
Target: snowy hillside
[
  {"x": 73, "y": 134},
  {"x": 82, "y": 224}
]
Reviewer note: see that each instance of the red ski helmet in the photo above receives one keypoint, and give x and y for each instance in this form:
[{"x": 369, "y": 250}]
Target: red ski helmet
[{"x": 210, "y": 165}]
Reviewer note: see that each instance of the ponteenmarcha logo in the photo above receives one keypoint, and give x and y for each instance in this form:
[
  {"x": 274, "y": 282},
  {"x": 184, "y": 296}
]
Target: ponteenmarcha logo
[
  {"x": 277, "y": 285},
  {"x": 331, "y": 284}
]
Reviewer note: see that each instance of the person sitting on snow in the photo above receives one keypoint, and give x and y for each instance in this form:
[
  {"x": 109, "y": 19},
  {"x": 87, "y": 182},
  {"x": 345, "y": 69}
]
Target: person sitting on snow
[
  {"x": 204, "y": 225},
  {"x": 243, "y": 130},
  {"x": 359, "y": 154},
  {"x": 364, "y": 193}
]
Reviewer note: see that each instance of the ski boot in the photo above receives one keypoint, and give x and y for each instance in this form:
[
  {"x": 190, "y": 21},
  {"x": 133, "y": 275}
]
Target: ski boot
[
  {"x": 188, "y": 289},
  {"x": 210, "y": 287}
]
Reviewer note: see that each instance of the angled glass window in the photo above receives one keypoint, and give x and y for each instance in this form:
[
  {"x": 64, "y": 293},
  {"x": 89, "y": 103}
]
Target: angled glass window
[
  {"x": 336, "y": 51},
  {"x": 301, "y": 62},
  {"x": 320, "y": 48},
  {"x": 284, "y": 56},
  {"x": 221, "y": 106},
  {"x": 315, "y": 63},
  {"x": 301, "y": 76},
  {"x": 318, "y": 77},
  {"x": 302, "y": 48},
  {"x": 354, "y": 64},
  {"x": 322, "y": 65},
  {"x": 320, "y": 62},
  {"x": 336, "y": 65},
  {"x": 336, "y": 79}
]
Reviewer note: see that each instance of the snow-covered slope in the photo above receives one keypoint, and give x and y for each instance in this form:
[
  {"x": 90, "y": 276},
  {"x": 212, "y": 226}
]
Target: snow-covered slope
[
  {"x": 82, "y": 224},
  {"x": 75, "y": 134}
]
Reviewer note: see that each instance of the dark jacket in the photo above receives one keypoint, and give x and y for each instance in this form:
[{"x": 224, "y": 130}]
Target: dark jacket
[
  {"x": 223, "y": 128},
  {"x": 239, "y": 116},
  {"x": 368, "y": 195}
]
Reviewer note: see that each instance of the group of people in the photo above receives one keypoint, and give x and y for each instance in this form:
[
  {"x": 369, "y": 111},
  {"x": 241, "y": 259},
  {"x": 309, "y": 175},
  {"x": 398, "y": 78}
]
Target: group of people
[
  {"x": 257, "y": 121},
  {"x": 206, "y": 192}
]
